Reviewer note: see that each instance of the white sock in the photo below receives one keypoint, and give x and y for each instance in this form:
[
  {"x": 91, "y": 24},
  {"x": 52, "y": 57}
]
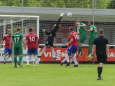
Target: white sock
[
  {"x": 37, "y": 60},
  {"x": 33, "y": 59},
  {"x": 28, "y": 59},
  {"x": 75, "y": 60},
  {"x": 53, "y": 53}
]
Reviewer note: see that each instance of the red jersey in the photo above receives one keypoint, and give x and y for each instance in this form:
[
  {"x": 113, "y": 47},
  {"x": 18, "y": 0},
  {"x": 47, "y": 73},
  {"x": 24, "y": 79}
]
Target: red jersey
[
  {"x": 7, "y": 41},
  {"x": 73, "y": 35},
  {"x": 32, "y": 40}
]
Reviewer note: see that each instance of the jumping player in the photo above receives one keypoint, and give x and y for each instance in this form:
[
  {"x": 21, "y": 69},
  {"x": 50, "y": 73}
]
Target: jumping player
[
  {"x": 8, "y": 45},
  {"x": 32, "y": 46},
  {"x": 17, "y": 38},
  {"x": 100, "y": 47},
  {"x": 92, "y": 35},
  {"x": 80, "y": 27},
  {"x": 51, "y": 35}
]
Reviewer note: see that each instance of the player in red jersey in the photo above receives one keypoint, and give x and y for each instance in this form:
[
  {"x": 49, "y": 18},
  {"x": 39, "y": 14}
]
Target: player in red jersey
[
  {"x": 7, "y": 45},
  {"x": 72, "y": 47},
  {"x": 32, "y": 45}
]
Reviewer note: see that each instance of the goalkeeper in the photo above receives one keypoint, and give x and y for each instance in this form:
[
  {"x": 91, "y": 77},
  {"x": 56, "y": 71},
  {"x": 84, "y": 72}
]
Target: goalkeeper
[{"x": 51, "y": 35}]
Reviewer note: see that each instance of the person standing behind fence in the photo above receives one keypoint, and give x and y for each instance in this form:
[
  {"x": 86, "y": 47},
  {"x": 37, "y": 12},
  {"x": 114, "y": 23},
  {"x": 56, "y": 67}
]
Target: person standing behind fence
[{"x": 100, "y": 47}]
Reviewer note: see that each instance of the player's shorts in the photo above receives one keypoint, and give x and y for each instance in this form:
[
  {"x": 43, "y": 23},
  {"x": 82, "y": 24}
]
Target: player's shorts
[
  {"x": 91, "y": 41},
  {"x": 33, "y": 51},
  {"x": 18, "y": 51},
  {"x": 8, "y": 51},
  {"x": 72, "y": 50},
  {"x": 101, "y": 58},
  {"x": 49, "y": 44}
]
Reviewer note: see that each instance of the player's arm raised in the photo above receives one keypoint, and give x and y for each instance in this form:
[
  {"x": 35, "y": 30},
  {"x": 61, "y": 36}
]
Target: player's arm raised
[{"x": 56, "y": 26}]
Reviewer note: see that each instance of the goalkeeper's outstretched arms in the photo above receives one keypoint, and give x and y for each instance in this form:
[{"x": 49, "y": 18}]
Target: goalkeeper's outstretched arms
[{"x": 55, "y": 27}]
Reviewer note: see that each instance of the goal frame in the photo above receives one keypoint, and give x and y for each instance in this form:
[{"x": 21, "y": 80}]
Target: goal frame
[{"x": 21, "y": 16}]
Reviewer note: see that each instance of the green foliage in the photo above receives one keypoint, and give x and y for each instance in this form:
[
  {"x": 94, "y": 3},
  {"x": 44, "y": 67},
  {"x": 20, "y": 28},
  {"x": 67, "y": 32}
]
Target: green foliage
[
  {"x": 59, "y": 3},
  {"x": 111, "y": 5}
]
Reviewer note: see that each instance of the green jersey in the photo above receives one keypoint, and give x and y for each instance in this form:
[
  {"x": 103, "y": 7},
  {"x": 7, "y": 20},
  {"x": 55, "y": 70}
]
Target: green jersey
[
  {"x": 93, "y": 33},
  {"x": 82, "y": 29},
  {"x": 82, "y": 32},
  {"x": 17, "y": 39}
]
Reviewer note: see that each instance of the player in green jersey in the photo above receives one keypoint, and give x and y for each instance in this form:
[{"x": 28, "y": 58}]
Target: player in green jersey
[
  {"x": 17, "y": 39},
  {"x": 80, "y": 27},
  {"x": 92, "y": 35}
]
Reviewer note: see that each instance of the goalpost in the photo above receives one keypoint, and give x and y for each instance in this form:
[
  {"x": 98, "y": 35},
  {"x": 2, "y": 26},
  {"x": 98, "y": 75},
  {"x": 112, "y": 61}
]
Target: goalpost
[
  {"x": 24, "y": 22},
  {"x": 18, "y": 21}
]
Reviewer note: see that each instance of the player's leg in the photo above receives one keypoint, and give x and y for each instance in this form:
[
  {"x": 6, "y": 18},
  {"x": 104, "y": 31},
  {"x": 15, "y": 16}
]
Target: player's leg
[
  {"x": 75, "y": 60},
  {"x": 100, "y": 66},
  {"x": 15, "y": 52},
  {"x": 20, "y": 57},
  {"x": 53, "y": 52},
  {"x": 74, "y": 51},
  {"x": 80, "y": 50},
  {"x": 35, "y": 53},
  {"x": 63, "y": 61},
  {"x": 69, "y": 52},
  {"x": 101, "y": 59},
  {"x": 9, "y": 54},
  {"x": 43, "y": 50},
  {"x": 90, "y": 49},
  {"x": 82, "y": 40},
  {"x": 66, "y": 59},
  {"x": 99, "y": 70},
  {"x": 29, "y": 56},
  {"x": 5, "y": 55}
]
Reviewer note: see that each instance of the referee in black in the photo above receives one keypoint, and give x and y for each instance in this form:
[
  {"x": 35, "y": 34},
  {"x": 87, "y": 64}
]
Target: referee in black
[{"x": 100, "y": 48}]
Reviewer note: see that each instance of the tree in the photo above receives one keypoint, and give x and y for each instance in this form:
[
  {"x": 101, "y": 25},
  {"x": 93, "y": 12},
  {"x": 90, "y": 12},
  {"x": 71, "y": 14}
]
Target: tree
[{"x": 111, "y": 5}]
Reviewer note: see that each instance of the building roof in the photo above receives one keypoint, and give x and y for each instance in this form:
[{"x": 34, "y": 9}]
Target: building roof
[{"x": 99, "y": 15}]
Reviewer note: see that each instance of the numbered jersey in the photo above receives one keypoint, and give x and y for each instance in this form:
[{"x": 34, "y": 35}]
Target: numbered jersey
[
  {"x": 32, "y": 40},
  {"x": 7, "y": 40},
  {"x": 75, "y": 37},
  {"x": 17, "y": 39}
]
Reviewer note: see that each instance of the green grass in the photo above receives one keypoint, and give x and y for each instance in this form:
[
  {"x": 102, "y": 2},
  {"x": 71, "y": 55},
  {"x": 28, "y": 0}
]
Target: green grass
[{"x": 55, "y": 75}]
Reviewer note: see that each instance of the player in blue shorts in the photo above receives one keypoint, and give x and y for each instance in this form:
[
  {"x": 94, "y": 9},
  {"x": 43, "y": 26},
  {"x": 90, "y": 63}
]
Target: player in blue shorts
[
  {"x": 72, "y": 47},
  {"x": 32, "y": 45},
  {"x": 7, "y": 45}
]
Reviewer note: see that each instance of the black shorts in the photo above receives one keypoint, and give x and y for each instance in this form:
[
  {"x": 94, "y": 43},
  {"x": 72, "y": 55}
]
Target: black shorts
[
  {"x": 101, "y": 58},
  {"x": 49, "y": 44}
]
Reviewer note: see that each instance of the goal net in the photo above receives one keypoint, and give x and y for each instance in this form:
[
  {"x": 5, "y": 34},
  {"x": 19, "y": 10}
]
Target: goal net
[{"x": 24, "y": 22}]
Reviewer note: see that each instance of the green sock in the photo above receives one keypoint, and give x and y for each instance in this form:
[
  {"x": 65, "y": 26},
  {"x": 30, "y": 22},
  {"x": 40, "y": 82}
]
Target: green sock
[
  {"x": 20, "y": 59},
  {"x": 79, "y": 51},
  {"x": 89, "y": 49},
  {"x": 15, "y": 61}
]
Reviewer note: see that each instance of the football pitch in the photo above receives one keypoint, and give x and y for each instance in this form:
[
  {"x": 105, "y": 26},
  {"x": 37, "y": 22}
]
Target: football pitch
[{"x": 56, "y": 75}]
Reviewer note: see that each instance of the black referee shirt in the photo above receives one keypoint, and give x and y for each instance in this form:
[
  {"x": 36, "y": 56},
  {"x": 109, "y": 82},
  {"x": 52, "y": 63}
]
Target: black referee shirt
[{"x": 101, "y": 43}]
